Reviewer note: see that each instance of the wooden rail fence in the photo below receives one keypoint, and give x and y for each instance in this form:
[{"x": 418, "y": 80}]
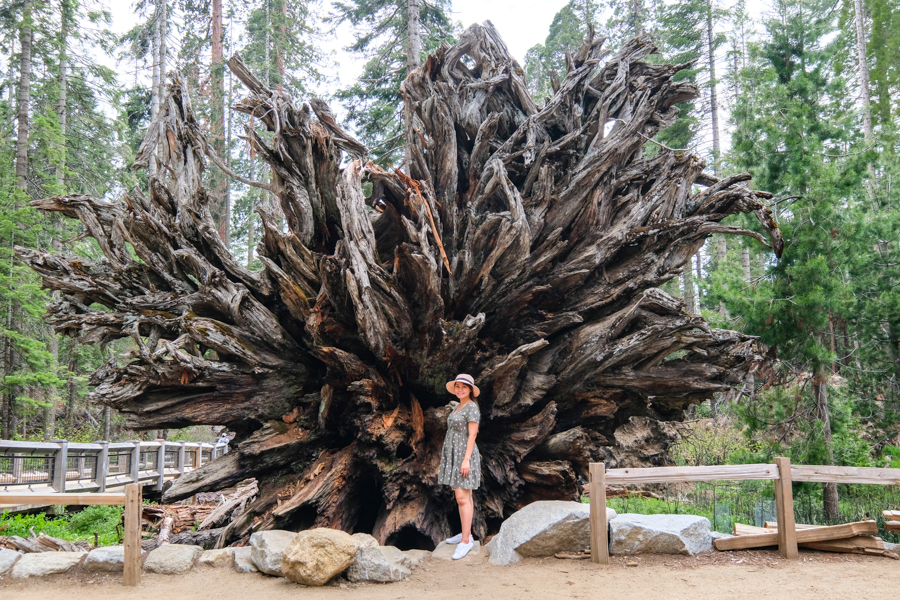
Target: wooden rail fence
[
  {"x": 781, "y": 472},
  {"x": 63, "y": 466},
  {"x": 131, "y": 500}
]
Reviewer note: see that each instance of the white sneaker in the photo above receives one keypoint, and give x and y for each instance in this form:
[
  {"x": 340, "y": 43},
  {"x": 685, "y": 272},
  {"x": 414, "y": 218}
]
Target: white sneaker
[
  {"x": 463, "y": 549},
  {"x": 455, "y": 539}
]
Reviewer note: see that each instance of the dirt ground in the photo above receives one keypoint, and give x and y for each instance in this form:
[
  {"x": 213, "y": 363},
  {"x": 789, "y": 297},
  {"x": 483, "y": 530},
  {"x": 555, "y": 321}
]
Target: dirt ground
[{"x": 719, "y": 575}]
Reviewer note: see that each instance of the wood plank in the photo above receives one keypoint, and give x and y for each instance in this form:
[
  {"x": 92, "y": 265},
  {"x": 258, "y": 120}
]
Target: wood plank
[
  {"x": 681, "y": 474},
  {"x": 855, "y": 545},
  {"x": 784, "y": 510},
  {"x": 599, "y": 526},
  {"x": 825, "y": 474},
  {"x": 891, "y": 515},
  {"x": 818, "y": 534},
  {"x": 892, "y": 526},
  {"x": 132, "y": 517},
  {"x": 774, "y": 525},
  {"x": 61, "y": 499}
]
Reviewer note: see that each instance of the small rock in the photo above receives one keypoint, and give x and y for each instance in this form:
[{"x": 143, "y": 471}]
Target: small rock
[
  {"x": 895, "y": 548},
  {"x": 317, "y": 555},
  {"x": 217, "y": 558},
  {"x": 7, "y": 559},
  {"x": 417, "y": 557},
  {"x": 268, "y": 546},
  {"x": 444, "y": 551},
  {"x": 659, "y": 534},
  {"x": 107, "y": 559},
  {"x": 45, "y": 563},
  {"x": 172, "y": 559},
  {"x": 364, "y": 540},
  {"x": 632, "y": 563},
  {"x": 543, "y": 528},
  {"x": 718, "y": 535},
  {"x": 243, "y": 562},
  {"x": 381, "y": 564}
]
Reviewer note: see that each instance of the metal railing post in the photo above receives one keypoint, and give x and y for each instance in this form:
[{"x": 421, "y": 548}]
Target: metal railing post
[
  {"x": 136, "y": 462},
  {"x": 60, "y": 466},
  {"x": 161, "y": 465},
  {"x": 199, "y": 461},
  {"x": 182, "y": 453},
  {"x": 102, "y": 466}
]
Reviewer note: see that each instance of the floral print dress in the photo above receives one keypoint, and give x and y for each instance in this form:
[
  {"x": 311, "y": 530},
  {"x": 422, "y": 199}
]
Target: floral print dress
[{"x": 455, "y": 449}]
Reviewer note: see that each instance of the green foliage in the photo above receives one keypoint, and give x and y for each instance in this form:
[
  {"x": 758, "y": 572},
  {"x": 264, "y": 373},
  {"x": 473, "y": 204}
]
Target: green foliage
[{"x": 102, "y": 520}]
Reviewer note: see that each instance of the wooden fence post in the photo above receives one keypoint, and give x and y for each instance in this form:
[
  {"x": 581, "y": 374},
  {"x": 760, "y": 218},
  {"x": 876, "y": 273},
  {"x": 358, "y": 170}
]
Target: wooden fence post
[
  {"x": 132, "y": 516},
  {"x": 784, "y": 510},
  {"x": 599, "y": 526},
  {"x": 135, "y": 470}
]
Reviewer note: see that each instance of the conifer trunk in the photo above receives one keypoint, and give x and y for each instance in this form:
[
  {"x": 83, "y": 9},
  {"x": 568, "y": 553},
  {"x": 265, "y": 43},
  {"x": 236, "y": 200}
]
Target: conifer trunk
[{"x": 830, "y": 492}]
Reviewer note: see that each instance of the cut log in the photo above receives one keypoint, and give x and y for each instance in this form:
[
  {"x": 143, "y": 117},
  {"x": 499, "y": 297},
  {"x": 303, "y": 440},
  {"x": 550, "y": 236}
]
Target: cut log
[
  {"x": 817, "y": 534},
  {"x": 529, "y": 251}
]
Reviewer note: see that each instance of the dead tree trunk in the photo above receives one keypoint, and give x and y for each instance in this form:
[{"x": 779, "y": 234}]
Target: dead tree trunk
[{"x": 529, "y": 255}]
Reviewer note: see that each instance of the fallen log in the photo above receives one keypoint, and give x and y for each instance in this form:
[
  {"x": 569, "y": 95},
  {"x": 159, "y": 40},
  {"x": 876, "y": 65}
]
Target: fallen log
[
  {"x": 526, "y": 246},
  {"x": 815, "y": 534},
  {"x": 232, "y": 505}
]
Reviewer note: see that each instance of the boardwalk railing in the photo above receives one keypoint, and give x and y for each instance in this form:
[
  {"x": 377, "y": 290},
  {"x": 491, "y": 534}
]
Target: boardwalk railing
[
  {"x": 781, "y": 472},
  {"x": 62, "y": 466}
]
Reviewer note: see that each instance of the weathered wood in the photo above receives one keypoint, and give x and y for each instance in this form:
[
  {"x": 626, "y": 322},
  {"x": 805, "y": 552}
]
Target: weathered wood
[
  {"x": 891, "y": 514},
  {"x": 818, "y": 534},
  {"x": 784, "y": 508},
  {"x": 599, "y": 526},
  {"x": 827, "y": 474},
  {"x": 39, "y": 498},
  {"x": 682, "y": 474},
  {"x": 132, "y": 542},
  {"x": 892, "y": 526},
  {"x": 526, "y": 246}
]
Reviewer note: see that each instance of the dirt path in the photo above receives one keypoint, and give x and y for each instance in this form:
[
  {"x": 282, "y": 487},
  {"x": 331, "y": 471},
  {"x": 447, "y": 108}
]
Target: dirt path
[{"x": 721, "y": 576}]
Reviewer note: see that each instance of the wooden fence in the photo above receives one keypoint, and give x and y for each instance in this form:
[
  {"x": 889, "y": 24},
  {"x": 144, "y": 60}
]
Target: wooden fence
[
  {"x": 63, "y": 466},
  {"x": 131, "y": 500},
  {"x": 781, "y": 472}
]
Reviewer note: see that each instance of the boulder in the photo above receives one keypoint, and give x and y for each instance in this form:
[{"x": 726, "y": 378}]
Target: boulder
[
  {"x": 7, "y": 559},
  {"x": 659, "y": 534},
  {"x": 317, "y": 555},
  {"x": 895, "y": 548},
  {"x": 243, "y": 562},
  {"x": 542, "y": 529},
  {"x": 364, "y": 540},
  {"x": 444, "y": 551},
  {"x": 381, "y": 564},
  {"x": 217, "y": 558},
  {"x": 45, "y": 563},
  {"x": 107, "y": 559},
  {"x": 267, "y": 548},
  {"x": 172, "y": 559},
  {"x": 417, "y": 557}
]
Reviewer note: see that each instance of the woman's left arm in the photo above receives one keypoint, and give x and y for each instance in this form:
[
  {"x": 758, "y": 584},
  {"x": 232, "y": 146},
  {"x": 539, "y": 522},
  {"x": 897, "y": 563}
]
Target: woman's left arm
[{"x": 470, "y": 446}]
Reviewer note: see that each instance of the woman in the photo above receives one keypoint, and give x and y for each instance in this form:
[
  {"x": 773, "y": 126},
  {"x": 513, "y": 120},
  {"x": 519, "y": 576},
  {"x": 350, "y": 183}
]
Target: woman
[{"x": 460, "y": 460}]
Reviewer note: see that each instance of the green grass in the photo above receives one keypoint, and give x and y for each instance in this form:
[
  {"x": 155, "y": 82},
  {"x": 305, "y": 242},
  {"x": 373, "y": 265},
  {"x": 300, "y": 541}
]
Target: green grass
[{"x": 101, "y": 520}]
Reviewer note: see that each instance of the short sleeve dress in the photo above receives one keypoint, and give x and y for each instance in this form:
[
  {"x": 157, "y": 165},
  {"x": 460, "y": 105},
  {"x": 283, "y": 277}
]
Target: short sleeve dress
[{"x": 455, "y": 449}]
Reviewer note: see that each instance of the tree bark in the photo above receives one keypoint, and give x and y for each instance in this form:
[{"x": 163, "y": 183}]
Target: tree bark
[
  {"x": 413, "y": 61},
  {"x": 830, "y": 492},
  {"x": 66, "y": 10},
  {"x": 713, "y": 96},
  {"x": 530, "y": 255},
  {"x": 221, "y": 208},
  {"x": 26, "y": 36},
  {"x": 155, "y": 42},
  {"x": 863, "y": 68}
]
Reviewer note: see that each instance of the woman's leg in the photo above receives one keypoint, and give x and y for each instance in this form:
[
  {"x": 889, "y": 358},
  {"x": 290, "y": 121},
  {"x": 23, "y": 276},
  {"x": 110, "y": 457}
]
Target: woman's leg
[{"x": 466, "y": 511}]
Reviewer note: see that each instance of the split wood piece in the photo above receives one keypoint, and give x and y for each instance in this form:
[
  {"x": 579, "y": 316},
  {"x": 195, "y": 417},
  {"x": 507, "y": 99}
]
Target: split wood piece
[
  {"x": 828, "y": 474},
  {"x": 56, "y": 544},
  {"x": 891, "y": 515},
  {"x": 27, "y": 545},
  {"x": 818, "y": 534},
  {"x": 164, "y": 531},
  {"x": 892, "y": 526},
  {"x": 774, "y": 525},
  {"x": 573, "y": 555}
]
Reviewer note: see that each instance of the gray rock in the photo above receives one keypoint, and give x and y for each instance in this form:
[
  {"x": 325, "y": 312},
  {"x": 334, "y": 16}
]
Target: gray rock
[
  {"x": 45, "y": 563},
  {"x": 364, "y": 540},
  {"x": 243, "y": 563},
  {"x": 718, "y": 535},
  {"x": 417, "y": 557},
  {"x": 895, "y": 548},
  {"x": 172, "y": 559},
  {"x": 217, "y": 558},
  {"x": 542, "y": 529},
  {"x": 381, "y": 564},
  {"x": 7, "y": 559},
  {"x": 659, "y": 534},
  {"x": 444, "y": 551},
  {"x": 267, "y": 549},
  {"x": 108, "y": 559}
]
